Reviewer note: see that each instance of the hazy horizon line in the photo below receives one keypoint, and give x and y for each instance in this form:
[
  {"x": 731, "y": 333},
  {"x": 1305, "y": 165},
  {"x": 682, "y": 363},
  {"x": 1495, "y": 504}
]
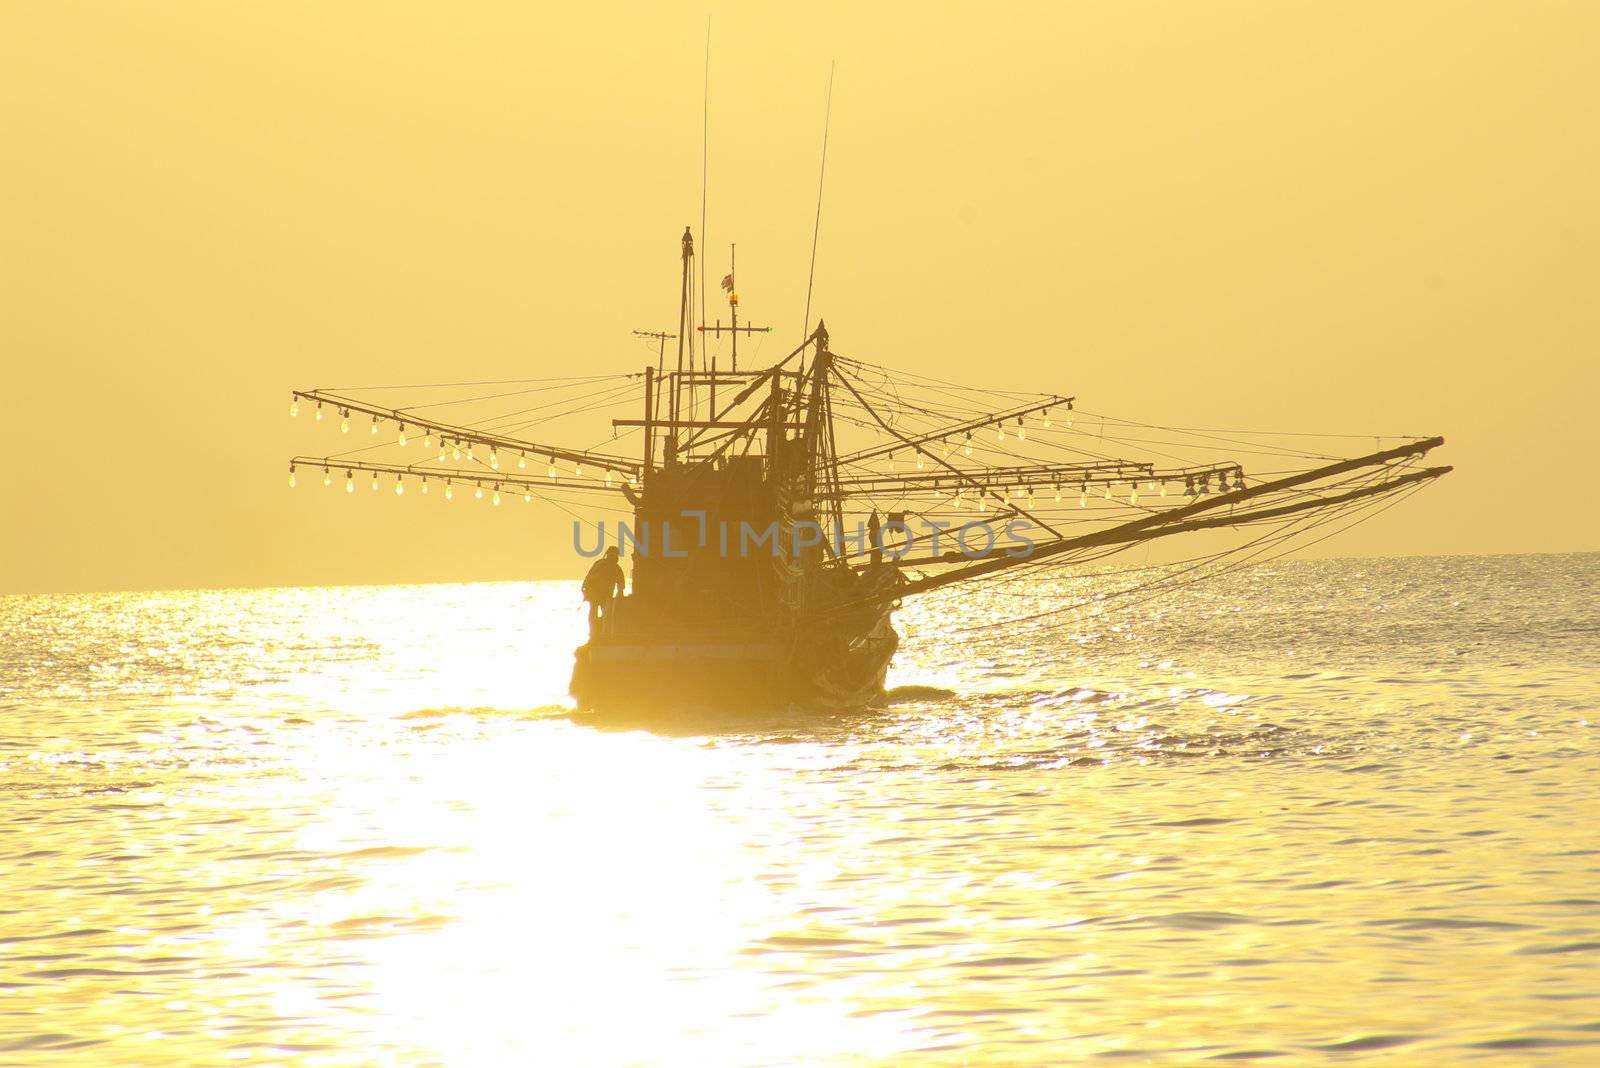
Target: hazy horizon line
[{"x": 575, "y": 580}]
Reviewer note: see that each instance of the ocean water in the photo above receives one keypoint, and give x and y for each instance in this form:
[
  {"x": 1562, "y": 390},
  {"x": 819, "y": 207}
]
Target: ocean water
[{"x": 1318, "y": 812}]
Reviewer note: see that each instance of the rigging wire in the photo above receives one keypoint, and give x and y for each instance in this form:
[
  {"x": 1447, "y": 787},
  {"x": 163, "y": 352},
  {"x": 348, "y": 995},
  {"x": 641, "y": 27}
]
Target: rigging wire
[
  {"x": 1269, "y": 539},
  {"x": 456, "y": 385}
]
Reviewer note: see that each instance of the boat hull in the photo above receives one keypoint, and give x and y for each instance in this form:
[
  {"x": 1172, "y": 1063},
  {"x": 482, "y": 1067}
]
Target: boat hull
[{"x": 723, "y": 672}]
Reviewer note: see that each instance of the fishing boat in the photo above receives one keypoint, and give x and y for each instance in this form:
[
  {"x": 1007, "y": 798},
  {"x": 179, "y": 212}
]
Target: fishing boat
[{"x": 777, "y": 515}]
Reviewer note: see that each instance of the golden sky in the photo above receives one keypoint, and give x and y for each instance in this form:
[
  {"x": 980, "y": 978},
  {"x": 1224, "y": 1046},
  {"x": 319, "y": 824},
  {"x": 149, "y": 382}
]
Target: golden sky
[{"x": 1368, "y": 217}]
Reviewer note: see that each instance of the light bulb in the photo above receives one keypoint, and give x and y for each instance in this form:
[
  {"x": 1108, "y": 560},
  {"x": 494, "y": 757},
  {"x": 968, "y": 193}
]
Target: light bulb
[
  {"x": 291, "y": 478},
  {"x": 344, "y": 422},
  {"x": 1022, "y": 433},
  {"x": 577, "y": 470},
  {"x": 479, "y": 495},
  {"x": 944, "y": 452},
  {"x": 1133, "y": 494},
  {"x": 1083, "y": 499},
  {"x": 608, "y": 480},
  {"x": 967, "y": 448},
  {"x": 552, "y": 471},
  {"x": 424, "y": 487},
  {"x": 294, "y": 407},
  {"x": 399, "y": 487},
  {"x": 999, "y": 433},
  {"x": 374, "y": 424},
  {"x": 427, "y": 439},
  {"x": 497, "y": 495},
  {"x": 319, "y": 411},
  {"x": 349, "y": 481},
  {"x": 1163, "y": 489},
  {"x": 919, "y": 461},
  {"x": 494, "y": 458},
  {"x": 402, "y": 435},
  {"x": 527, "y": 498},
  {"x": 1107, "y": 489},
  {"x": 522, "y": 461},
  {"x": 327, "y": 477},
  {"x": 374, "y": 481},
  {"x": 443, "y": 452},
  {"x": 1047, "y": 418},
  {"x": 1058, "y": 494},
  {"x": 455, "y": 452},
  {"x": 449, "y": 490}
]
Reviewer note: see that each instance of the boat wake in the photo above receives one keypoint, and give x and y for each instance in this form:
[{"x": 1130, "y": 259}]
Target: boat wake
[{"x": 904, "y": 694}]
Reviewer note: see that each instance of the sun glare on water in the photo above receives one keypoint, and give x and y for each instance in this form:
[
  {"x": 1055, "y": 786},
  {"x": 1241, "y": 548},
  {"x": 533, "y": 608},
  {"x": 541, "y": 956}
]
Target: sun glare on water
[
  {"x": 359, "y": 827},
  {"x": 597, "y": 910}
]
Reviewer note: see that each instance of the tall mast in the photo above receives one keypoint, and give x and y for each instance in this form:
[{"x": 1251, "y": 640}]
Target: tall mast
[
  {"x": 683, "y": 339},
  {"x": 821, "y": 467},
  {"x": 816, "y": 410}
]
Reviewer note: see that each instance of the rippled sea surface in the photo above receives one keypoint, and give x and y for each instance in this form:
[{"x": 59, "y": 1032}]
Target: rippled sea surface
[{"x": 1322, "y": 812}]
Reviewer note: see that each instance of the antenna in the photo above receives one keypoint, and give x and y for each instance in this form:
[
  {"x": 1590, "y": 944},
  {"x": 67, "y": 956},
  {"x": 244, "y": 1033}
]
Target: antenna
[
  {"x": 661, "y": 337},
  {"x": 705, "y": 159},
  {"x": 816, "y": 229}
]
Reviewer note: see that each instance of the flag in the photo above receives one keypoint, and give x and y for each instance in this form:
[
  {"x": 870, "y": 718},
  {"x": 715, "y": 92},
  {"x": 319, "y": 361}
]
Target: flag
[{"x": 727, "y": 282}]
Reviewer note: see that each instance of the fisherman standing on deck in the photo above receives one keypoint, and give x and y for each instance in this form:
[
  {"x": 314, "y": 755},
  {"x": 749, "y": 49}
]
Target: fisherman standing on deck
[{"x": 602, "y": 586}]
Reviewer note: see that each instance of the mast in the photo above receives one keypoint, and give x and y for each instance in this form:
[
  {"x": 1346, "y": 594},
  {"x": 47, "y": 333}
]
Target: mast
[
  {"x": 649, "y": 424},
  {"x": 676, "y": 409},
  {"x": 819, "y": 375},
  {"x": 775, "y": 417},
  {"x": 820, "y": 466}
]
